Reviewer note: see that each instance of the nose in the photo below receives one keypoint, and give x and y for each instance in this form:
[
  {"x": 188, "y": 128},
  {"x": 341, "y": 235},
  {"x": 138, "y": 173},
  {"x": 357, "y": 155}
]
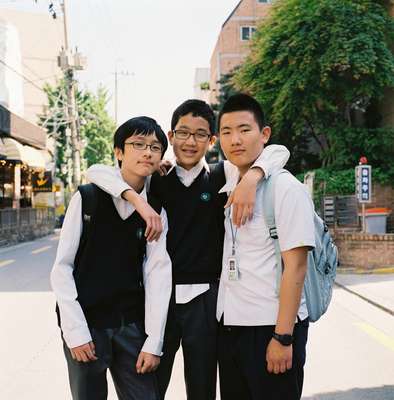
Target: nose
[
  {"x": 235, "y": 139},
  {"x": 191, "y": 140},
  {"x": 148, "y": 152}
]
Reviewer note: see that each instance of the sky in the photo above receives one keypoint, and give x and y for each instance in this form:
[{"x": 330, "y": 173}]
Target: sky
[{"x": 158, "y": 43}]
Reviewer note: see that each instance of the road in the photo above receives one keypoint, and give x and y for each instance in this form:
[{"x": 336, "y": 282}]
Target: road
[{"x": 350, "y": 350}]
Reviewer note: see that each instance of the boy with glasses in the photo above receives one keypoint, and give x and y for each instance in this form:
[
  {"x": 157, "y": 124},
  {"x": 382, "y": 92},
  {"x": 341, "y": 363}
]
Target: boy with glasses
[
  {"x": 112, "y": 287},
  {"x": 189, "y": 193}
]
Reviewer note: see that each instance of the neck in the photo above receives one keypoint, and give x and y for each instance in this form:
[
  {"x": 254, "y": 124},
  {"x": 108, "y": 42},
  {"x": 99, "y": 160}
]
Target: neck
[
  {"x": 243, "y": 170},
  {"x": 134, "y": 181},
  {"x": 186, "y": 167}
]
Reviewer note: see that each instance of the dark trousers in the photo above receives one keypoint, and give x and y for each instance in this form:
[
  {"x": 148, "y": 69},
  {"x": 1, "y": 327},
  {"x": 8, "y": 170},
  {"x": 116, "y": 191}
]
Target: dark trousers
[
  {"x": 194, "y": 326},
  {"x": 243, "y": 367},
  {"x": 117, "y": 350}
]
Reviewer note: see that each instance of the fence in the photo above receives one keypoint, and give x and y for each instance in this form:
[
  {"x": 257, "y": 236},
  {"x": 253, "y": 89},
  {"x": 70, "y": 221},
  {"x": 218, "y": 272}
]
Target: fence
[{"x": 21, "y": 224}]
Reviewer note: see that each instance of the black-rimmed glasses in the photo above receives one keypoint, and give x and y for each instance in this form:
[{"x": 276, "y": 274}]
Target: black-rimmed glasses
[
  {"x": 198, "y": 136},
  {"x": 154, "y": 148}
]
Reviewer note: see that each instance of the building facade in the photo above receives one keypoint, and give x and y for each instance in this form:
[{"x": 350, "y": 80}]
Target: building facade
[
  {"x": 29, "y": 46},
  {"x": 233, "y": 42}
]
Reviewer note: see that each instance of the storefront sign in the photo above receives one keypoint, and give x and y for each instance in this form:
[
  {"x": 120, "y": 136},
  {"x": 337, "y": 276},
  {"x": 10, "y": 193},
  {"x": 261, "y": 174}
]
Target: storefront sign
[
  {"x": 42, "y": 181},
  {"x": 363, "y": 183}
]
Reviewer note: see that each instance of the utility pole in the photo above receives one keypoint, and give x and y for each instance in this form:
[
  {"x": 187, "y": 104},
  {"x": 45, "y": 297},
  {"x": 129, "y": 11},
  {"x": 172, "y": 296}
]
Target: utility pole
[
  {"x": 69, "y": 62},
  {"x": 117, "y": 74}
]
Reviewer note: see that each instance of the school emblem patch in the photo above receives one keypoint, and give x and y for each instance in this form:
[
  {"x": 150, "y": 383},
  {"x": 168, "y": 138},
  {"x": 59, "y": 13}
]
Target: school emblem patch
[
  {"x": 205, "y": 196},
  {"x": 139, "y": 233}
]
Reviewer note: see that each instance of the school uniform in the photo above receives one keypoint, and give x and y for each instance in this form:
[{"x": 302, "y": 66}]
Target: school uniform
[
  {"x": 114, "y": 291},
  {"x": 248, "y": 307},
  {"x": 195, "y": 245}
]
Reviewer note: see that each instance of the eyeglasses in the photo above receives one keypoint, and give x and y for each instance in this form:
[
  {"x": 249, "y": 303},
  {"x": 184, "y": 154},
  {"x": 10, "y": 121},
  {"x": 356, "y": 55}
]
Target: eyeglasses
[
  {"x": 198, "y": 136},
  {"x": 154, "y": 148}
]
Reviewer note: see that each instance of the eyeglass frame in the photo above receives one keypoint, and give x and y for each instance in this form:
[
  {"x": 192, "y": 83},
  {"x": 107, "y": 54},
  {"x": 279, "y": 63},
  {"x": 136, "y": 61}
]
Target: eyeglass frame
[
  {"x": 146, "y": 145},
  {"x": 208, "y": 136}
]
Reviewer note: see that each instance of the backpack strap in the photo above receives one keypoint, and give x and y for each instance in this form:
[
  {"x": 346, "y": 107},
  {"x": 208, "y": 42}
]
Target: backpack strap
[
  {"x": 89, "y": 194},
  {"x": 269, "y": 216}
]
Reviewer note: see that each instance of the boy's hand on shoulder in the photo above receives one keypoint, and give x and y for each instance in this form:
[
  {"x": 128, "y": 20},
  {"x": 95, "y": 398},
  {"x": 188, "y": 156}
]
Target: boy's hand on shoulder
[
  {"x": 147, "y": 363},
  {"x": 84, "y": 353},
  {"x": 164, "y": 166},
  {"x": 279, "y": 358},
  {"x": 154, "y": 227},
  {"x": 243, "y": 197}
]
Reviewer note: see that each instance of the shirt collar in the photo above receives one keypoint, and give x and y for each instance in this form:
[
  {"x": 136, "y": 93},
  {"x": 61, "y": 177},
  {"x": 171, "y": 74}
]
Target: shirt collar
[{"x": 198, "y": 167}]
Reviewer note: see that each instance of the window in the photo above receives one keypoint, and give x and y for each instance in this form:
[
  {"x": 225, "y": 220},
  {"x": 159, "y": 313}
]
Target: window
[{"x": 247, "y": 32}]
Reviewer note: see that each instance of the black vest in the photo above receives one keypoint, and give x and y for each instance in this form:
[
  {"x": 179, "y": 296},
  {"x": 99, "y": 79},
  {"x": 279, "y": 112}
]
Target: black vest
[
  {"x": 195, "y": 218},
  {"x": 108, "y": 266}
]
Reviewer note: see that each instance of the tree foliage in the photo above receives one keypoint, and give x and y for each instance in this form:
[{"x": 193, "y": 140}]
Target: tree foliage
[
  {"x": 318, "y": 68},
  {"x": 96, "y": 127}
]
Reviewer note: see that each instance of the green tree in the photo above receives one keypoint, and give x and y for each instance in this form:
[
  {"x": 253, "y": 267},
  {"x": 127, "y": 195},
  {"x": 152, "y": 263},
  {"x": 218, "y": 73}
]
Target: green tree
[
  {"x": 318, "y": 68},
  {"x": 96, "y": 127}
]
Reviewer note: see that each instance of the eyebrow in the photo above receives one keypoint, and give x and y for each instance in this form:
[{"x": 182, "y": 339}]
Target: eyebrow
[
  {"x": 186, "y": 127},
  {"x": 238, "y": 126}
]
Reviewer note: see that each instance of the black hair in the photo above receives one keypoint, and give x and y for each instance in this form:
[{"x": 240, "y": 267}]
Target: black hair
[
  {"x": 139, "y": 126},
  {"x": 197, "y": 108},
  {"x": 243, "y": 102}
]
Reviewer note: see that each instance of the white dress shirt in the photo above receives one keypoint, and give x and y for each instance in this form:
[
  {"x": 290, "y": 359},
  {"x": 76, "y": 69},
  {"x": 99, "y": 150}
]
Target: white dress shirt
[
  {"x": 251, "y": 300},
  {"x": 156, "y": 274},
  {"x": 109, "y": 179}
]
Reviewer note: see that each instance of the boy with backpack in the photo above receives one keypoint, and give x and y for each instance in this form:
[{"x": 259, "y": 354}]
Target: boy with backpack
[
  {"x": 113, "y": 287},
  {"x": 263, "y": 320},
  {"x": 189, "y": 193}
]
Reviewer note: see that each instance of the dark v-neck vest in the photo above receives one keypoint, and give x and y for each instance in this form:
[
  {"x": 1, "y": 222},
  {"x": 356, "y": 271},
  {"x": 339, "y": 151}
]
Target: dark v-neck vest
[
  {"x": 195, "y": 226},
  {"x": 108, "y": 269}
]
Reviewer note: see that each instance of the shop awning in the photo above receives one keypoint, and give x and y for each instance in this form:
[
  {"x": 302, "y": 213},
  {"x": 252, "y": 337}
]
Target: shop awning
[{"x": 16, "y": 151}]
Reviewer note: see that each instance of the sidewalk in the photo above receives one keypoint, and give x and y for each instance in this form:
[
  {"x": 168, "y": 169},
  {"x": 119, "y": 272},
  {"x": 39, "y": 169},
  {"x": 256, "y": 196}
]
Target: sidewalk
[{"x": 378, "y": 289}]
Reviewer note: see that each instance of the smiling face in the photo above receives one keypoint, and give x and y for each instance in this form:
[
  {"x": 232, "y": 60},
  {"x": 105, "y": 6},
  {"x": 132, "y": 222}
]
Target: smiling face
[
  {"x": 137, "y": 162},
  {"x": 188, "y": 152},
  {"x": 241, "y": 139}
]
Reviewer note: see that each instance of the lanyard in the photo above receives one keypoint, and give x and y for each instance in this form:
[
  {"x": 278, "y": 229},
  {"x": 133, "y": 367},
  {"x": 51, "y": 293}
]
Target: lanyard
[{"x": 233, "y": 235}]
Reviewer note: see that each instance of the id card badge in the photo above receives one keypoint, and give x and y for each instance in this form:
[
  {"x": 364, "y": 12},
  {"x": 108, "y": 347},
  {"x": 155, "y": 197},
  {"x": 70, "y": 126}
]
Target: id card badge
[{"x": 233, "y": 270}]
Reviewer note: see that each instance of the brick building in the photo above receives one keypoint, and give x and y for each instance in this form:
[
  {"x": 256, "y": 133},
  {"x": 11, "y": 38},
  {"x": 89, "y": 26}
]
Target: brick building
[{"x": 232, "y": 45}]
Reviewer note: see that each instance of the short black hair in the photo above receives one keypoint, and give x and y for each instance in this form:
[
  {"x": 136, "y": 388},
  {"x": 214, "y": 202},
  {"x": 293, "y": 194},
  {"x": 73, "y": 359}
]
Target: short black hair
[
  {"x": 243, "y": 102},
  {"x": 139, "y": 126},
  {"x": 197, "y": 108}
]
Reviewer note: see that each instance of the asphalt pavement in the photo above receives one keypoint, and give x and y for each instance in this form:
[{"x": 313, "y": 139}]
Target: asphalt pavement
[{"x": 350, "y": 350}]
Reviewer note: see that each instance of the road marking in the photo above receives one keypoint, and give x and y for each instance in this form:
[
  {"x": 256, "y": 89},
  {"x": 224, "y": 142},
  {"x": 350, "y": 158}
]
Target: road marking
[
  {"x": 6, "y": 262},
  {"x": 40, "y": 250},
  {"x": 378, "y": 335}
]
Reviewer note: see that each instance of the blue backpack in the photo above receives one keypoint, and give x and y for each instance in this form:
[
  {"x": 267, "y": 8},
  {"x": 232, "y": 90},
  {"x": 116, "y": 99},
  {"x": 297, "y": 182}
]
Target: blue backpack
[{"x": 322, "y": 260}]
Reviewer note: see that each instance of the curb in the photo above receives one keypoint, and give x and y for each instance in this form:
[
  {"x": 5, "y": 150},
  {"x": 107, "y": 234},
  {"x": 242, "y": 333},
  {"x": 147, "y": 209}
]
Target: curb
[
  {"x": 363, "y": 271},
  {"x": 373, "y": 303}
]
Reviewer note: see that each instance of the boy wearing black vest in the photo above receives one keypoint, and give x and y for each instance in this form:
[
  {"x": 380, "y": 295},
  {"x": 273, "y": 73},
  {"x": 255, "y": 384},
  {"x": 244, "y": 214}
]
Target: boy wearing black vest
[
  {"x": 112, "y": 287},
  {"x": 189, "y": 193}
]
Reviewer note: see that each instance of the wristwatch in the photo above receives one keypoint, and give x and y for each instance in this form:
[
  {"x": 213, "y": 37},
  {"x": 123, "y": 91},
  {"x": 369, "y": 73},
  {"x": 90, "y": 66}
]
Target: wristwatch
[{"x": 284, "y": 340}]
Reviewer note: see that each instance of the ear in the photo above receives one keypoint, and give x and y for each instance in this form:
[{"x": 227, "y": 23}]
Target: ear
[
  {"x": 170, "y": 135},
  {"x": 266, "y": 131},
  {"x": 118, "y": 154}
]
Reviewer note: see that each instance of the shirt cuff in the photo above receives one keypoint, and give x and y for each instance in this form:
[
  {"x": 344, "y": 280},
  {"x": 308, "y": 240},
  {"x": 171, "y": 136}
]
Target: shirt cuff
[
  {"x": 77, "y": 337},
  {"x": 153, "y": 346}
]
